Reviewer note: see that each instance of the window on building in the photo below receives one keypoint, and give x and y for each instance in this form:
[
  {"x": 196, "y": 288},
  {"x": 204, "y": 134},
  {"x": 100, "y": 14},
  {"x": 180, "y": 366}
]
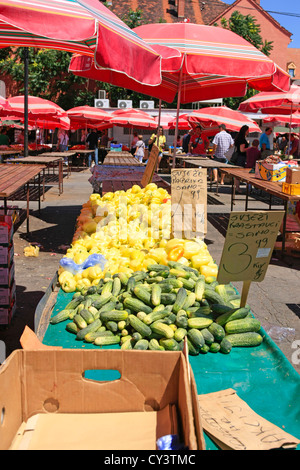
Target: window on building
[
  {"x": 292, "y": 72},
  {"x": 291, "y": 67}
]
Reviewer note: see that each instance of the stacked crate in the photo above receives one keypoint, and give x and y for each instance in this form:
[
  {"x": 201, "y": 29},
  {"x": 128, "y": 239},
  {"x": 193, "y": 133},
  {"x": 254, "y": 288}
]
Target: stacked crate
[{"x": 7, "y": 270}]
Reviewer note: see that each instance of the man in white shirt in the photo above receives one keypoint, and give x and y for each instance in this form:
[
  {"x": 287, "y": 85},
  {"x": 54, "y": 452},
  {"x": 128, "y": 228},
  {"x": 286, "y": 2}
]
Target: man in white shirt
[{"x": 222, "y": 142}]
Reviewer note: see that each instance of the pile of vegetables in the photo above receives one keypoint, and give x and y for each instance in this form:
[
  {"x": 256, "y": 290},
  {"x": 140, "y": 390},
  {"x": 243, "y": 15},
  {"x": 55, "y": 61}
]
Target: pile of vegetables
[
  {"x": 131, "y": 229},
  {"x": 158, "y": 308}
]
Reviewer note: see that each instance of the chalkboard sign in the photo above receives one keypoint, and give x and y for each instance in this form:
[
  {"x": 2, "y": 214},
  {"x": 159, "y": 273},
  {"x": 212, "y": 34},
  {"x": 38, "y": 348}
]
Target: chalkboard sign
[
  {"x": 248, "y": 246},
  {"x": 151, "y": 166},
  {"x": 189, "y": 202}
]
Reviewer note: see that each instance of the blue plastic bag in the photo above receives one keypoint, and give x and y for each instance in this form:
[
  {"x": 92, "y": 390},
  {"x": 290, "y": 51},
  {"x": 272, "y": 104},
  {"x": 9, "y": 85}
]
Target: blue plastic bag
[{"x": 93, "y": 260}]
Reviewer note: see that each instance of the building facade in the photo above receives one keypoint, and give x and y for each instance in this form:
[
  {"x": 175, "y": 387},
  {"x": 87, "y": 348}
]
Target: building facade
[{"x": 211, "y": 12}]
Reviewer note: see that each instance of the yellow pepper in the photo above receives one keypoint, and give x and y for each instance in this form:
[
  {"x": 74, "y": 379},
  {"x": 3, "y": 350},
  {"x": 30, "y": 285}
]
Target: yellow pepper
[
  {"x": 175, "y": 253},
  {"x": 211, "y": 270},
  {"x": 201, "y": 259},
  {"x": 95, "y": 272},
  {"x": 64, "y": 276},
  {"x": 82, "y": 283},
  {"x": 69, "y": 285}
]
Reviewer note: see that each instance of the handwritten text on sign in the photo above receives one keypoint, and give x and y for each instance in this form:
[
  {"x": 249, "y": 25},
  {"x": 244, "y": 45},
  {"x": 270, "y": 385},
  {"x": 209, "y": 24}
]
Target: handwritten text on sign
[
  {"x": 189, "y": 202},
  {"x": 248, "y": 246}
]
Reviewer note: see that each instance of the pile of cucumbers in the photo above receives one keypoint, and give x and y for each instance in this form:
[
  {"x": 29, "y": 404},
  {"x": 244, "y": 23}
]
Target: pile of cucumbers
[{"x": 158, "y": 309}]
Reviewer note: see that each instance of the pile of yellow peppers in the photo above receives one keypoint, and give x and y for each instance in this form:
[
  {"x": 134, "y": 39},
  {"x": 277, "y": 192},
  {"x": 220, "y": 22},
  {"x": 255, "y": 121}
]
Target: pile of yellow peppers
[{"x": 131, "y": 229}]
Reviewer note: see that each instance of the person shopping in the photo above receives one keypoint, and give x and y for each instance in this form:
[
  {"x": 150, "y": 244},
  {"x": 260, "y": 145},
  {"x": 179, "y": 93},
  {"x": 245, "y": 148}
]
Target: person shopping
[
  {"x": 198, "y": 142},
  {"x": 140, "y": 149},
  {"x": 241, "y": 145},
  {"x": 222, "y": 142},
  {"x": 160, "y": 142}
]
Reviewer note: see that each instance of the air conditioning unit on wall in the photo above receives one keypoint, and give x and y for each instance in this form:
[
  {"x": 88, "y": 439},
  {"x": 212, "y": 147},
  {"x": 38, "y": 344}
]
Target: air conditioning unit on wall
[
  {"x": 124, "y": 103},
  {"x": 147, "y": 104},
  {"x": 101, "y": 103}
]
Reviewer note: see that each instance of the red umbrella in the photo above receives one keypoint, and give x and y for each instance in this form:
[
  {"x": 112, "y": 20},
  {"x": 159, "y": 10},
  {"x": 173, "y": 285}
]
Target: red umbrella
[
  {"x": 4, "y": 106},
  {"x": 273, "y": 102},
  {"x": 277, "y": 119},
  {"x": 38, "y": 108},
  {"x": 215, "y": 63},
  {"x": 133, "y": 118},
  {"x": 210, "y": 117},
  {"x": 183, "y": 122},
  {"x": 83, "y": 26},
  {"x": 87, "y": 116}
]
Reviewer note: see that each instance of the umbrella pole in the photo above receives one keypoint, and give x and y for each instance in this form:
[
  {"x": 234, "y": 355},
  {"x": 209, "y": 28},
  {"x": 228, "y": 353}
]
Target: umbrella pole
[
  {"x": 177, "y": 117},
  {"x": 290, "y": 129},
  {"x": 26, "y": 102}
]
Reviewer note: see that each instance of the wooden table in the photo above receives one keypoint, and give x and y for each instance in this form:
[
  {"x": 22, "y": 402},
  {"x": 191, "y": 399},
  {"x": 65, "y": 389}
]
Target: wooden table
[
  {"x": 9, "y": 153},
  {"x": 274, "y": 189},
  {"x": 68, "y": 154},
  {"x": 50, "y": 162},
  {"x": 15, "y": 177},
  {"x": 121, "y": 159}
]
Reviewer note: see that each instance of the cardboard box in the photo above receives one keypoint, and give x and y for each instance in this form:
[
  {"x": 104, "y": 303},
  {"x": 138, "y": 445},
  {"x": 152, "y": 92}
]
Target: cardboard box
[
  {"x": 7, "y": 313},
  {"x": 291, "y": 189},
  {"x": 293, "y": 175},
  {"x": 8, "y": 295},
  {"x": 6, "y": 230},
  {"x": 270, "y": 171},
  {"x": 50, "y": 400},
  {"x": 7, "y": 275},
  {"x": 6, "y": 255}
]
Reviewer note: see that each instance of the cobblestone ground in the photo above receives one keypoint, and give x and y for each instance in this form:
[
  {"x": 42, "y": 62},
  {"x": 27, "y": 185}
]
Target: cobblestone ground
[{"x": 275, "y": 301}]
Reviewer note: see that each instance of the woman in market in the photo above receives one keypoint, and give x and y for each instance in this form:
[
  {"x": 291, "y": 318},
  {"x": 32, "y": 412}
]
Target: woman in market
[
  {"x": 241, "y": 145},
  {"x": 199, "y": 143},
  {"x": 159, "y": 139},
  {"x": 133, "y": 143},
  {"x": 140, "y": 149}
]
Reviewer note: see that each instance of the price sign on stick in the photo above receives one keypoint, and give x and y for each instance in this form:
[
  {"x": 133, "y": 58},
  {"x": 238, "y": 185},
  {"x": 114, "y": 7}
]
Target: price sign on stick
[
  {"x": 189, "y": 202},
  {"x": 248, "y": 247},
  {"x": 151, "y": 166}
]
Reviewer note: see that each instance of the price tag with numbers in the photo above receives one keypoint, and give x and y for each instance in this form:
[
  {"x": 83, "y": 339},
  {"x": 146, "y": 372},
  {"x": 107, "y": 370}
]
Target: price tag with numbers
[{"x": 248, "y": 246}]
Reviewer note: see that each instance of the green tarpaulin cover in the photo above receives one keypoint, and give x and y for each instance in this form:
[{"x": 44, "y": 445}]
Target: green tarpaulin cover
[{"x": 261, "y": 376}]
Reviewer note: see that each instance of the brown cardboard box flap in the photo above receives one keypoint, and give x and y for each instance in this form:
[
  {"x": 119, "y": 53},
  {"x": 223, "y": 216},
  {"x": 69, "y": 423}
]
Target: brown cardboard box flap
[{"x": 30, "y": 341}]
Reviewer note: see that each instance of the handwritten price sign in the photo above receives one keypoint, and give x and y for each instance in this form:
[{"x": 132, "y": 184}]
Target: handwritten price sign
[
  {"x": 248, "y": 246},
  {"x": 189, "y": 202}
]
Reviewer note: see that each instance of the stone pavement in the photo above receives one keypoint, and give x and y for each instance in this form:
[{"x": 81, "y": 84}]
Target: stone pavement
[{"x": 275, "y": 301}]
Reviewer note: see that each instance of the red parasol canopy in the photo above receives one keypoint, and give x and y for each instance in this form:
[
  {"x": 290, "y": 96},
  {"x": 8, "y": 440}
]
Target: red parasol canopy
[
  {"x": 210, "y": 117},
  {"x": 132, "y": 118},
  {"x": 273, "y": 102},
  {"x": 83, "y": 26},
  {"x": 37, "y": 108},
  {"x": 87, "y": 116}
]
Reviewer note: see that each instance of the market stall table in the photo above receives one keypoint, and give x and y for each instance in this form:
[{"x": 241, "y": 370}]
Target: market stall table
[
  {"x": 15, "y": 177},
  {"x": 54, "y": 162},
  {"x": 272, "y": 188},
  {"x": 107, "y": 178},
  {"x": 121, "y": 159},
  {"x": 4, "y": 154},
  {"x": 68, "y": 154}
]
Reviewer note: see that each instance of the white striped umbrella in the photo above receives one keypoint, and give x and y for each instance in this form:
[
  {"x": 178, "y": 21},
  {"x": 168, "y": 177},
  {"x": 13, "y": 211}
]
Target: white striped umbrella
[
  {"x": 82, "y": 26},
  {"x": 214, "y": 116},
  {"x": 87, "y": 116},
  {"x": 273, "y": 102},
  {"x": 37, "y": 107}
]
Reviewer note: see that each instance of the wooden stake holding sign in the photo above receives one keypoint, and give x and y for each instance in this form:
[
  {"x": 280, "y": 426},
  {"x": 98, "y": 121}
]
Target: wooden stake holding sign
[
  {"x": 189, "y": 202},
  {"x": 248, "y": 248},
  {"x": 151, "y": 166}
]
